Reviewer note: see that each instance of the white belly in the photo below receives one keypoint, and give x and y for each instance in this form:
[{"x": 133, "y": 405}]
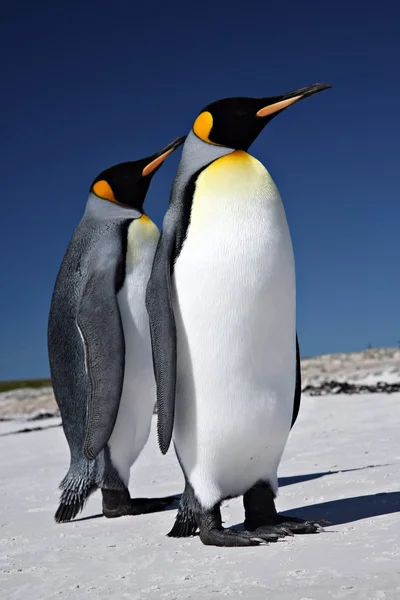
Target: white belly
[
  {"x": 234, "y": 288},
  {"x": 132, "y": 426}
]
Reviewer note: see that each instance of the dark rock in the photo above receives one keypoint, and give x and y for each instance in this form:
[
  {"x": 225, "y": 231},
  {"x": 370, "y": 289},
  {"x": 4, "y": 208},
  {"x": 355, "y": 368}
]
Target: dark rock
[
  {"x": 343, "y": 387},
  {"x": 44, "y": 414}
]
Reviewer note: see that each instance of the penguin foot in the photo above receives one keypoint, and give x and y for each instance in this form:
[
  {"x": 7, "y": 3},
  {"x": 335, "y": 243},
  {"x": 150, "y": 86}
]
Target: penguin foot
[
  {"x": 231, "y": 538},
  {"x": 296, "y": 525},
  {"x": 120, "y": 504},
  {"x": 213, "y": 534},
  {"x": 284, "y": 526},
  {"x": 261, "y": 514}
]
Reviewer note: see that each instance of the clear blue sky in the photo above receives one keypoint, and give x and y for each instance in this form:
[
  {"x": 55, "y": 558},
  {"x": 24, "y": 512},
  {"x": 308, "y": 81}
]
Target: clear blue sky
[{"x": 84, "y": 87}]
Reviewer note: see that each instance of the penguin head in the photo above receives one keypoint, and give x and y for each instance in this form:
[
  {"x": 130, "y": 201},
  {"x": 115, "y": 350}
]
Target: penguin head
[
  {"x": 236, "y": 122},
  {"x": 127, "y": 183}
]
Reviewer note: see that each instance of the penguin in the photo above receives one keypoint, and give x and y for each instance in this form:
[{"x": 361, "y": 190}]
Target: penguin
[
  {"x": 99, "y": 341},
  {"x": 221, "y": 301}
]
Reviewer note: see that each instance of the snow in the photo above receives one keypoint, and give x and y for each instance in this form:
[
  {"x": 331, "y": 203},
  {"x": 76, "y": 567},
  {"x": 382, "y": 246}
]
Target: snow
[{"x": 342, "y": 463}]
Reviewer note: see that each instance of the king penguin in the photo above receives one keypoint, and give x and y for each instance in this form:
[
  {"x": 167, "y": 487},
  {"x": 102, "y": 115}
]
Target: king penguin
[
  {"x": 221, "y": 301},
  {"x": 99, "y": 341}
]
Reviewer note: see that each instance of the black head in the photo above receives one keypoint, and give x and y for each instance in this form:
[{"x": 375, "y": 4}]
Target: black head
[
  {"x": 236, "y": 122},
  {"x": 127, "y": 183}
]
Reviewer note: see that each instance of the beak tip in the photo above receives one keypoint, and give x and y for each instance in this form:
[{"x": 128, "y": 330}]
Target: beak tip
[
  {"x": 158, "y": 158},
  {"x": 319, "y": 87},
  {"x": 324, "y": 86},
  {"x": 310, "y": 90},
  {"x": 178, "y": 142}
]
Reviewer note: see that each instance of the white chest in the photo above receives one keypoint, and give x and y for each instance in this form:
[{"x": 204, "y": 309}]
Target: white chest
[
  {"x": 141, "y": 246},
  {"x": 234, "y": 278},
  {"x": 138, "y": 397}
]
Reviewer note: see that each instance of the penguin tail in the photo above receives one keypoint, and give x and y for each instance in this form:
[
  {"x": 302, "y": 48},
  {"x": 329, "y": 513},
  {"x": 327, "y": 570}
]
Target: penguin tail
[
  {"x": 185, "y": 523},
  {"x": 78, "y": 484}
]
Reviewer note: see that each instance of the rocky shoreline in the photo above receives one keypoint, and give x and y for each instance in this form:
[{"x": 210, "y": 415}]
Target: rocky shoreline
[
  {"x": 376, "y": 370},
  {"x": 326, "y": 388}
]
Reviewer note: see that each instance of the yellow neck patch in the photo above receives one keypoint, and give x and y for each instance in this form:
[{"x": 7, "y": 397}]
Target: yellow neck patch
[
  {"x": 103, "y": 190},
  {"x": 202, "y": 127},
  {"x": 226, "y": 189},
  {"x": 238, "y": 159},
  {"x": 146, "y": 220}
]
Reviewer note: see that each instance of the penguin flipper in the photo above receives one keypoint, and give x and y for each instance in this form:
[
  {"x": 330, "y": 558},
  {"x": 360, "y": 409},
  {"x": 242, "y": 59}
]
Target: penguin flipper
[
  {"x": 100, "y": 326},
  {"x": 163, "y": 333},
  {"x": 297, "y": 392}
]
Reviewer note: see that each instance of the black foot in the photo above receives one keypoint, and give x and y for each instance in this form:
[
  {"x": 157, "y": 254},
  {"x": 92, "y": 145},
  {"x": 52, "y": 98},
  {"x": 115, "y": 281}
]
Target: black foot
[
  {"x": 229, "y": 537},
  {"x": 213, "y": 534},
  {"x": 261, "y": 515},
  {"x": 286, "y": 526},
  {"x": 120, "y": 504}
]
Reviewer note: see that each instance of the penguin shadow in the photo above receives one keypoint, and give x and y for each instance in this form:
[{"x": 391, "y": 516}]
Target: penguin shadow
[
  {"x": 348, "y": 510},
  {"x": 336, "y": 512},
  {"x": 173, "y": 506},
  {"x": 283, "y": 481},
  {"x": 343, "y": 510}
]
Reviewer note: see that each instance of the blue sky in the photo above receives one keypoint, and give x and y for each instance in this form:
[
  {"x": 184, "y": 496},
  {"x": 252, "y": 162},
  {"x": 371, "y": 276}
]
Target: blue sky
[{"x": 87, "y": 86}]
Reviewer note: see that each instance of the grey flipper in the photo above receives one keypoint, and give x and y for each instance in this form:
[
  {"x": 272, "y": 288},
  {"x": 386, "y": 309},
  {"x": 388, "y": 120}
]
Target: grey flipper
[
  {"x": 297, "y": 392},
  {"x": 160, "y": 308},
  {"x": 163, "y": 329},
  {"x": 100, "y": 325},
  {"x": 196, "y": 156}
]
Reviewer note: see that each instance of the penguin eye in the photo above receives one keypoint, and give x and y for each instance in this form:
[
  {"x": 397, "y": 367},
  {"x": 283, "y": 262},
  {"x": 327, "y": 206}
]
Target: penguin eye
[{"x": 102, "y": 189}]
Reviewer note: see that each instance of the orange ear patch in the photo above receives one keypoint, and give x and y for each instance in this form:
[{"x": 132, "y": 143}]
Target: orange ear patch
[
  {"x": 103, "y": 190},
  {"x": 203, "y": 125}
]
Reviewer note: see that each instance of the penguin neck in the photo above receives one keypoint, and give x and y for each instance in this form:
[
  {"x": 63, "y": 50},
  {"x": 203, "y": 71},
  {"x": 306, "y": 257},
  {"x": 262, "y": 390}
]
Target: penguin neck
[
  {"x": 97, "y": 208},
  {"x": 196, "y": 155}
]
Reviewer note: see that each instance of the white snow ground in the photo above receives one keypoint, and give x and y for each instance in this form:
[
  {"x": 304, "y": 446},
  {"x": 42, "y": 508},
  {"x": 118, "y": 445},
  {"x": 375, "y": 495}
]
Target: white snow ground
[{"x": 342, "y": 463}]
